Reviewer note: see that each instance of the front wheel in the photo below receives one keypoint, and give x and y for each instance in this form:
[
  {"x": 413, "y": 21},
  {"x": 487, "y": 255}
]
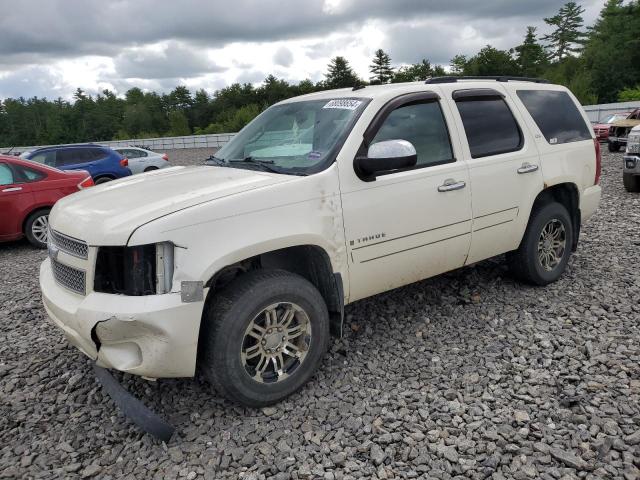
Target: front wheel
[
  {"x": 36, "y": 228},
  {"x": 263, "y": 337},
  {"x": 631, "y": 182},
  {"x": 546, "y": 247}
]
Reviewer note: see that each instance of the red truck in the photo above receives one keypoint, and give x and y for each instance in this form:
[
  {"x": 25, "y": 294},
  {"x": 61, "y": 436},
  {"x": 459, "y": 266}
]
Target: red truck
[{"x": 28, "y": 190}]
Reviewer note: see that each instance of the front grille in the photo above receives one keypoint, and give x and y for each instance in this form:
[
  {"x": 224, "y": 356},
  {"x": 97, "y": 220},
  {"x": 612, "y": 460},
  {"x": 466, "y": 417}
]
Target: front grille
[
  {"x": 69, "y": 277},
  {"x": 70, "y": 245}
]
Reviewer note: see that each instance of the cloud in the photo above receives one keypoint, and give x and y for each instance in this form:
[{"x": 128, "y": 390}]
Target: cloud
[
  {"x": 283, "y": 57},
  {"x": 208, "y": 43},
  {"x": 173, "y": 61}
]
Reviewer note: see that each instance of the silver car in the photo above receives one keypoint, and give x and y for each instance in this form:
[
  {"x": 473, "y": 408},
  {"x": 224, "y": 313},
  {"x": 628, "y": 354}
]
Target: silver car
[{"x": 143, "y": 160}]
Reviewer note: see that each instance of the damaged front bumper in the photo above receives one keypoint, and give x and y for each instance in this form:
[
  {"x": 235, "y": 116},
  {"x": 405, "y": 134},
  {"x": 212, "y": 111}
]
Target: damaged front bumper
[{"x": 155, "y": 336}]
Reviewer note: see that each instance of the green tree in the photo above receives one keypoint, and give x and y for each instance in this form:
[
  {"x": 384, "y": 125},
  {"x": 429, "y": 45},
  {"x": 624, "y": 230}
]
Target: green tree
[
  {"x": 380, "y": 67},
  {"x": 630, "y": 94},
  {"x": 530, "y": 55},
  {"x": 491, "y": 61},
  {"x": 414, "y": 73},
  {"x": 612, "y": 52},
  {"x": 340, "y": 74},
  {"x": 178, "y": 124},
  {"x": 566, "y": 37},
  {"x": 459, "y": 64}
]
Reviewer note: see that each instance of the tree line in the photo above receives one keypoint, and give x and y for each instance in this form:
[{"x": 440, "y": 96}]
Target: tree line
[{"x": 599, "y": 63}]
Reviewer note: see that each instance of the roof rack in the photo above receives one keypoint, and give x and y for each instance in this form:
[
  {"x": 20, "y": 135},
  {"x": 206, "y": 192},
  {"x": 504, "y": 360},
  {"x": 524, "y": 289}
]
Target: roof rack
[{"x": 499, "y": 78}]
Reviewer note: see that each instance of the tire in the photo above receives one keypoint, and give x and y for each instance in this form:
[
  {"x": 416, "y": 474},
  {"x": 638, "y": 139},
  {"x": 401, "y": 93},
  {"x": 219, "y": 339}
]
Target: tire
[
  {"x": 35, "y": 228},
  {"x": 224, "y": 338},
  {"x": 631, "y": 182},
  {"x": 150, "y": 169},
  {"x": 101, "y": 180},
  {"x": 526, "y": 263},
  {"x": 613, "y": 146}
]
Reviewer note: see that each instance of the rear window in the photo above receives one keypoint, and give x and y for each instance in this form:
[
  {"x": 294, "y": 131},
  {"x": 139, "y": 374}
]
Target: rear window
[
  {"x": 556, "y": 115},
  {"x": 489, "y": 125}
]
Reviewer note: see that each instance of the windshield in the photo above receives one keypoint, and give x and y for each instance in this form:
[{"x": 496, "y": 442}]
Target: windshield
[
  {"x": 295, "y": 138},
  {"x": 615, "y": 117}
]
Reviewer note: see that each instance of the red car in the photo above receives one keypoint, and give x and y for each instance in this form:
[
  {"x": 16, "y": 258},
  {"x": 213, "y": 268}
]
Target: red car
[
  {"x": 602, "y": 129},
  {"x": 28, "y": 190}
]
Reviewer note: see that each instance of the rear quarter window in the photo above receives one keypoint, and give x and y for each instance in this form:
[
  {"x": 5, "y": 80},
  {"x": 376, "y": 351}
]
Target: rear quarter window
[{"x": 556, "y": 115}]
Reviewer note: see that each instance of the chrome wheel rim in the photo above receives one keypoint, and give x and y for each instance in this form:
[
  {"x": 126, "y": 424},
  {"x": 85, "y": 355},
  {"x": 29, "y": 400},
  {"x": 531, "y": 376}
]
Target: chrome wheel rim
[
  {"x": 40, "y": 227},
  {"x": 276, "y": 342},
  {"x": 552, "y": 244}
]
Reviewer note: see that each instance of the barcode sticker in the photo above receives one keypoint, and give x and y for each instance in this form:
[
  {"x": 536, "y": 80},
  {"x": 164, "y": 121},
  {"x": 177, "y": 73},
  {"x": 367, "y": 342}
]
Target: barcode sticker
[{"x": 344, "y": 103}]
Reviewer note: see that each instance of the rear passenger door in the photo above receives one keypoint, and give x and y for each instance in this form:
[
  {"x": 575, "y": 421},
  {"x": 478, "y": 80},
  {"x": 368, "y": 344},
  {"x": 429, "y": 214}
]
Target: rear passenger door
[{"x": 504, "y": 168}]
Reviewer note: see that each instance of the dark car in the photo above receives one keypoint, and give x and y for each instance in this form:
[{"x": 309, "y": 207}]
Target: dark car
[{"x": 102, "y": 163}]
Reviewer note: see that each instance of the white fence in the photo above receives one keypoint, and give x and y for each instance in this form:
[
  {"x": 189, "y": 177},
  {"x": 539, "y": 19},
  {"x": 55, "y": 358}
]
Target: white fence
[
  {"x": 163, "y": 143},
  {"x": 598, "y": 113}
]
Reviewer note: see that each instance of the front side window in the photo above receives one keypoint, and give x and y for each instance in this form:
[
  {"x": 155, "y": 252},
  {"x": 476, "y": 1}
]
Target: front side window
[
  {"x": 296, "y": 138},
  {"x": 46, "y": 158},
  {"x": 423, "y": 125},
  {"x": 6, "y": 175},
  {"x": 489, "y": 125},
  {"x": 556, "y": 115}
]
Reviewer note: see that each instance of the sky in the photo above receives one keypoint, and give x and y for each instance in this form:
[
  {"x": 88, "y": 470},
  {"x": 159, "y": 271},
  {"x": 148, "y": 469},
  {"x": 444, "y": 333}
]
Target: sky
[{"x": 49, "y": 48}]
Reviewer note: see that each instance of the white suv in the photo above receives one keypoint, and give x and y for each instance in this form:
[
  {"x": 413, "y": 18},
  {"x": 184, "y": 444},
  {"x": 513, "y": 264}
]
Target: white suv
[{"x": 242, "y": 267}]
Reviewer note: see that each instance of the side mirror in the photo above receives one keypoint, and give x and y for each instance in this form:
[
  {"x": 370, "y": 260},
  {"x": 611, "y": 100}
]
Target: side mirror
[{"x": 387, "y": 155}]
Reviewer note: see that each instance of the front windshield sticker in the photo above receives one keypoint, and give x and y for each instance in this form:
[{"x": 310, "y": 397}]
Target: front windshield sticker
[{"x": 344, "y": 104}]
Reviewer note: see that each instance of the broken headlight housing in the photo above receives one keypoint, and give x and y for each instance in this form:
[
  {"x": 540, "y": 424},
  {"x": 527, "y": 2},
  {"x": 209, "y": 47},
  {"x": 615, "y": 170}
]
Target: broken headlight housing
[{"x": 136, "y": 271}]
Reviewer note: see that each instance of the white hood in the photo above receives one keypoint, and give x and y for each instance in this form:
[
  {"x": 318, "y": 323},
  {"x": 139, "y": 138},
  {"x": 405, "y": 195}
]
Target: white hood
[{"x": 108, "y": 214}]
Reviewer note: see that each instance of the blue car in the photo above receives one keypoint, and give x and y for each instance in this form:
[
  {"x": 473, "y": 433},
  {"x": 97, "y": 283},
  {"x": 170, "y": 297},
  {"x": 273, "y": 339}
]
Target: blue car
[{"x": 102, "y": 163}]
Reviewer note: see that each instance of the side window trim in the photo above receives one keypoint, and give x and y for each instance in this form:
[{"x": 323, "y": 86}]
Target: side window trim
[
  {"x": 379, "y": 119},
  {"x": 475, "y": 95}
]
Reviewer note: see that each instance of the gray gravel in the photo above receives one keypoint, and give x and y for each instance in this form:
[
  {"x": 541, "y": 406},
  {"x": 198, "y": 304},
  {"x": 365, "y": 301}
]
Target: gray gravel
[{"x": 468, "y": 375}]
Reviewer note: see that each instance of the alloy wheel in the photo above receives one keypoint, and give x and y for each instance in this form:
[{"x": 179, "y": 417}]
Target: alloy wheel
[{"x": 552, "y": 244}]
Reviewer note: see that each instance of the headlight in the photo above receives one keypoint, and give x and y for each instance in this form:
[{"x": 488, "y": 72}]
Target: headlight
[
  {"x": 633, "y": 144},
  {"x": 136, "y": 271}
]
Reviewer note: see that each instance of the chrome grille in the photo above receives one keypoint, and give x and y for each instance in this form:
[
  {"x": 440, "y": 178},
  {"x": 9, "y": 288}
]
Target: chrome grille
[
  {"x": 70, "y": 245},
  {"x": 69, "y": 277}
]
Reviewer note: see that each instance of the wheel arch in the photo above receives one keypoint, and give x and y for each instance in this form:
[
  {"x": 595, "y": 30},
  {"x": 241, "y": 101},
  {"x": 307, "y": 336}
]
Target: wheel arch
[
  {"x": 30, "y": 213},
  {"x": 568, "y": 195},
  {"x": 311, "y": 262}
]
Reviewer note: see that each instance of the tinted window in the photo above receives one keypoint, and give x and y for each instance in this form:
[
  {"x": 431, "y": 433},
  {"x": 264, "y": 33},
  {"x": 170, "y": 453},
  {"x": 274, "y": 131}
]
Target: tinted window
[
  {"x": 6, "y": 176},
  {"x": 69, "y": 157},
  {"x": 424, "y": 126},
  {"x": 556, "y": 115},
  {"x": 490, "y": 126},
  {"x": 92, "y": 154}
]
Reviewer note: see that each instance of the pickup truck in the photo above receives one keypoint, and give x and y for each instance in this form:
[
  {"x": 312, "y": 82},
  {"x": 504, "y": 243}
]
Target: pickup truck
[
  {"x": 619, "y": 130},
  {"x": 241, "y": 269},
  {"x": 631, "y": 162}
]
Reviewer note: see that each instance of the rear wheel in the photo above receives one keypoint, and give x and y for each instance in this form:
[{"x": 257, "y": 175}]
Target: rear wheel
[
  {"x": 150, "y": 169},
  {"x": 36, "y": 228},
  {"x": 631, "y": 182},
  {"x": 614, "y": 146},
  {"x": 263, "y": 337},
  {"x": 546, "y": 247}
]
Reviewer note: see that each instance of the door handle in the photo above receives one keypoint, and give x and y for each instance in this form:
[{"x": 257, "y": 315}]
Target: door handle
[
  {"x": 12, "y": 189},
  {"x": 527, "y": 168},
  {"x": 450, "y": 184}
]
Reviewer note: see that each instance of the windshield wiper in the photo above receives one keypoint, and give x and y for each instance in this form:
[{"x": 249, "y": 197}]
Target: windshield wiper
[
  {"x": 264, "y": 165},
  {"x": 213, "y": 160}
]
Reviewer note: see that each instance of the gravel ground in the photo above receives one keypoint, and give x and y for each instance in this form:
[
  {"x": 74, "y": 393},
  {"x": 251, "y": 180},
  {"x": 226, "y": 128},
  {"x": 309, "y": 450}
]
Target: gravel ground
[{"x": 468, "y": 375}]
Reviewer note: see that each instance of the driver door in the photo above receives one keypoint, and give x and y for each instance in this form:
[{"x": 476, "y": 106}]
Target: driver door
[{"x": 408, "y": 225}]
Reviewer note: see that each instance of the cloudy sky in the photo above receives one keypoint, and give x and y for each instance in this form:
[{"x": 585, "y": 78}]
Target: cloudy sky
[{"x": 51, "y": 47}]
